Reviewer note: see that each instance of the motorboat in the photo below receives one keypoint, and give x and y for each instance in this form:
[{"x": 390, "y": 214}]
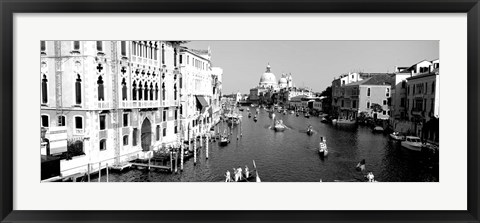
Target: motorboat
[
  {"x": 292, "y": 112},
  {"x": 346, "y": 122},
  {"x": 324, "y": 120},
  {"x": 412, "y": 143},
  {"x": 241, "y": 109},
  {"x": 224, "y": 140},
  {"x": 255, "y": 119},
  {"x": 397, "y": 136},
  {"x": 323, "y": 150},
  {"x": 307, "y": 115},
  {"x": 378, "y": 129},
  {"x": 249, "y": 115}
]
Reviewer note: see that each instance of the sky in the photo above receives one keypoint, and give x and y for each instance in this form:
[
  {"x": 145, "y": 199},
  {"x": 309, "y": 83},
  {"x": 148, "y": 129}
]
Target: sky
[{"x": 313, "y": 64}]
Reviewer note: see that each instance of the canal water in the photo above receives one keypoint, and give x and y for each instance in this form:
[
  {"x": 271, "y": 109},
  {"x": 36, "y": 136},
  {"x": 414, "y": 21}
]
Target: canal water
[{"x": 292, "y": 155}]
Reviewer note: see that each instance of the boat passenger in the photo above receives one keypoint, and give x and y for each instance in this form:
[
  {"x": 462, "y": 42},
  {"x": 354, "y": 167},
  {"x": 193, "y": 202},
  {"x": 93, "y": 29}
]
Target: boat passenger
[
  {"x": 235, "y": 172},
  {"x": 370, "y": 177},
  {"x": 240, "y": 172},
  {"x": 246, "y": 172},
  {"x": 227, "y": 176}
]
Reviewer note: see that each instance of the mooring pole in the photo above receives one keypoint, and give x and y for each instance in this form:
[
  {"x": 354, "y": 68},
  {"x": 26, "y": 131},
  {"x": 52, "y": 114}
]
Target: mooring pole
[
  {"x": 107, "y": 172},
  {"x": 206, "y": 146},
  {"x": 176, "y": 160},
  {"x": 181, "y": 155},
  {"x": 148, "y": 163},
  {"x": 99, "y": 171},
  {"x": 171, "y": 160},
  {"x": 194, "y": 149},
  {"x": 88, "y": 172}
]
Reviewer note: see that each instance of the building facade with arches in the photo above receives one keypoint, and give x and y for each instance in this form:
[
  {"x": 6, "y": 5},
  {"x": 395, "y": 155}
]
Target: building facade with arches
[{"x": 116, "y": 98}]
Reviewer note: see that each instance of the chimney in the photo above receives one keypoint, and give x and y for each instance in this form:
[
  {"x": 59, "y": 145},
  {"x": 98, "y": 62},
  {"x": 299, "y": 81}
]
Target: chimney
[{"x": 411, "y": 73}]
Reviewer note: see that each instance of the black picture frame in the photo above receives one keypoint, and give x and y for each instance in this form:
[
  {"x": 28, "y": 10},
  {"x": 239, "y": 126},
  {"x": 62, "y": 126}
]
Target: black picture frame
[{"x": 9, "y": 7}]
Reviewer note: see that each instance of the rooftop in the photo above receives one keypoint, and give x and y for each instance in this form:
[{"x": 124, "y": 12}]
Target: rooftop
[
  {"x": 377, "y": 79},
  {"x": 427, "y": 74}
]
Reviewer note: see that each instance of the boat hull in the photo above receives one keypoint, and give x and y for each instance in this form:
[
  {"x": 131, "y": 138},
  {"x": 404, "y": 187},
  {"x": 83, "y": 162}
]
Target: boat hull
[
  {"x": 279, "y": 129},
  {"x": 414, "y": 147},
  {"x": 397, "y": 137}
]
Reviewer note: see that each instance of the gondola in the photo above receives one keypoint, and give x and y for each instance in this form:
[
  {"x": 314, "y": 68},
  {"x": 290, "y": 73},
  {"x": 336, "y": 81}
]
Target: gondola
[{"x": 251, "y": 177}]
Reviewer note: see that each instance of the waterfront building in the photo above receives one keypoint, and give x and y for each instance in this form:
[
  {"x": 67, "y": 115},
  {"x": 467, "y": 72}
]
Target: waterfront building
[
  {"x": 217, "y": 74},
  {"x": 415, "y": 107},
  {"x": 338, "y": 90},
  {"x": 354, "y": 94},
  {"x": 267, "y": 86},
  {"x": 423, "y": 102},
  {"x": 115, "y": 100},
  {"x": 202, "y": 92}
]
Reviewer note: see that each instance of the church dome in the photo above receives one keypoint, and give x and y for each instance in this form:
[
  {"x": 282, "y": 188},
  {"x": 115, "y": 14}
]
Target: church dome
[
  {"x": 282, "y": 81},
  {"x": 268, "y": 78}
]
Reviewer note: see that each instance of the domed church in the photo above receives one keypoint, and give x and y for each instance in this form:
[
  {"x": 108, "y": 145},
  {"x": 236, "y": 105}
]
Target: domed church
[{"x": 268, "y": 79}]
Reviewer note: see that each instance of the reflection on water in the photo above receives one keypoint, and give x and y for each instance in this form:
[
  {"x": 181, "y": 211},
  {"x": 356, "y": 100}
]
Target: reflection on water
[{"x": 292, "y": 155}]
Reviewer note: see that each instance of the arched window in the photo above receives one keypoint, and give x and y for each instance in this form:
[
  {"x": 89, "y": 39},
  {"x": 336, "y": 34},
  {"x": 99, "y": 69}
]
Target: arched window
[
  {"x": 163, "y": 91},
  {"x": 99, "y": 46},
  {"x": 368, "y": 92},
  {"x": 78, "y": 90},
  {"x": 140, "y": 90},
  {"x": 175, "y": 58},
  {"x": 123, "y": 47},
  {"x": 156, "y": 91},
  {"x": 44, "y": 90},
  {"x": 164, "y": 132},
  {"x": 158, "y": 132},
  {"x": 146, "y": 91},
  {"x": 101, "y": 96},
  {"x": 124, "y": 90},
  {"x": 103, "y": 144},
  {"x": 175, "y": 92},
  {"x": 151, "y": 91},
  {"x": 125, "y": 140},
  {"x": 134, "y": 91},
  {"x": 163, "y": 53}
]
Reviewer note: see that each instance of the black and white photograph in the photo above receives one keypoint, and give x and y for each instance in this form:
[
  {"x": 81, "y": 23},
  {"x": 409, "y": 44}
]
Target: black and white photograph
[{"x": 229, "y": 111}]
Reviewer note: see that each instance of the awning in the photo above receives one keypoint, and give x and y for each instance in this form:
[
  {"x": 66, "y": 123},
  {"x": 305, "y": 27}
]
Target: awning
[{"x": 202, "y": 101}]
